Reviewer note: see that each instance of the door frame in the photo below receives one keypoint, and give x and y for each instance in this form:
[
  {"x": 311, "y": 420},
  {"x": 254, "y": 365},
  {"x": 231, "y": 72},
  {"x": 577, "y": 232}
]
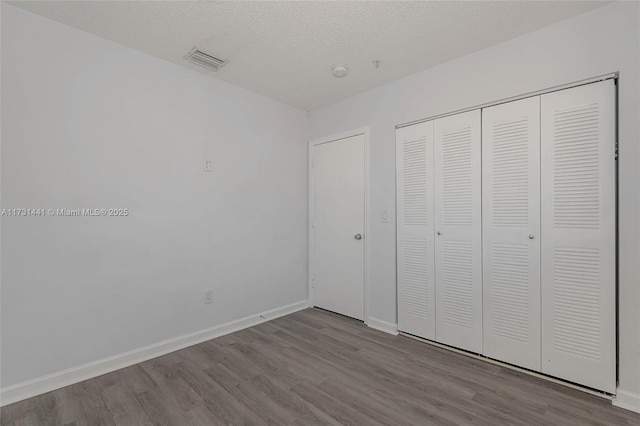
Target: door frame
[{"x": 364, "y": 131}]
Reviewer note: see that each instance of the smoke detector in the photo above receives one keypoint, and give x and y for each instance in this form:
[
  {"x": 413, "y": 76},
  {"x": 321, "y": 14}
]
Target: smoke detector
[
  {"x": 205, "y": 60},
  {"x": 339, "y": 71}
]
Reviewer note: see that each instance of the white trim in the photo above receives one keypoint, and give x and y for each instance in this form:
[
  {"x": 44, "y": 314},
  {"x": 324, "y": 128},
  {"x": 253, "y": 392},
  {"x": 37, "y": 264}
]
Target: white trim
[
  {"x": 627, "y": 400},
  {"x": 40, "y": 385},
  {"x": 309, "y": 224},
  {"x": 380, "y": 325},
  {"x": 367, "y": 222},
  {"x": 343, "y": 135},
  {"x": 367, "y": 198},
  {"x": 612, "y": 75}
]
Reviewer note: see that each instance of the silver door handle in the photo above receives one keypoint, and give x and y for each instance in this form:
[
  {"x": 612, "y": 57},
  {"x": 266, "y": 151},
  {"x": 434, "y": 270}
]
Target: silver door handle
[
  {"x": 531, "y": 236},
  {"x": 439, "y": 233},
  {"x": 358, "y": 236}
]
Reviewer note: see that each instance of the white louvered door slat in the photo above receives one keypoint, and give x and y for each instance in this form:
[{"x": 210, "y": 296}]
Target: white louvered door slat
[
  {"x": 578, "y": 229},
  {"x": 416, "y": 291},
  {"x": 511, "y": 232},
  {"x": 458, "y": 247}
]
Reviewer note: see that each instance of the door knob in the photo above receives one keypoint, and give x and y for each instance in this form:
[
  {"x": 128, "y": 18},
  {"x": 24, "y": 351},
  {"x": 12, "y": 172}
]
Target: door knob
[
  {"x": 531, "y": 236},
  {"x": 439, "y": 233},
  {"x": 358, "y": 236}
]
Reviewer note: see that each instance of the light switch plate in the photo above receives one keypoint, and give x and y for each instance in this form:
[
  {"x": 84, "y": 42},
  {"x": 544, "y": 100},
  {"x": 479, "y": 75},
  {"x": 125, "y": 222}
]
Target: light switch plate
[
  {"x": 207, "y": 166},
  {"x": 208, "y": 296}
]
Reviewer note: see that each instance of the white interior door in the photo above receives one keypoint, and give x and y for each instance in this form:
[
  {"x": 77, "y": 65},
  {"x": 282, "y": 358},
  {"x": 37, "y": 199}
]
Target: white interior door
[
  {"x": 511, "y": 232},
  {"x": 415, "y": 227},
  {"x": 338, "y": 226},
  {"x": 458, "y": 248},
  {"x": 578, "y": 230}
]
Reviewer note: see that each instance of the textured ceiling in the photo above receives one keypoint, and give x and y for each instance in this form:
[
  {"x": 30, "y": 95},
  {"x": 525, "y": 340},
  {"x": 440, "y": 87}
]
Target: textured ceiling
[{"x": 285, "y": 50}]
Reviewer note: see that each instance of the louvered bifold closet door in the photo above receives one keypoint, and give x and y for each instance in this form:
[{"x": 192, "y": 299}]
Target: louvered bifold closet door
[
  {"x": 511, "y": 232},
  {"x": 414, "y": 180},
  {"x": 458, "y": 248},
  {"x": 578, "y": 235}
]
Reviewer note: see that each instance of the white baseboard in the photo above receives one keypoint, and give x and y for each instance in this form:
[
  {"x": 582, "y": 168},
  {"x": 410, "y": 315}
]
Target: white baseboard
[
  {"x": 627, "y": 400},
  {"x": 40, "y": 385},
  {"x": 387, "y": 327}
]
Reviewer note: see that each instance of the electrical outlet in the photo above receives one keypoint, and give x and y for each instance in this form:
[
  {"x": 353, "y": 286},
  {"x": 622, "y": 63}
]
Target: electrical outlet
[
  {"x": 207, "y": 166},
  {"x": 208, "y": 296}
]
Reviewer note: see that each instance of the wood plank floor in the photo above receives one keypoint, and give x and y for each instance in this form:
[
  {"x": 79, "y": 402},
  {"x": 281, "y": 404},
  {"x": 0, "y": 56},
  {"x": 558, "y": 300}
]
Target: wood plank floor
[{"x": 314, "y": 367}]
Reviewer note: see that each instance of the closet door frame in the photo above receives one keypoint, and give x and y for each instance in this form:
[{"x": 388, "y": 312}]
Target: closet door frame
[{"x": 604, "y": 77}]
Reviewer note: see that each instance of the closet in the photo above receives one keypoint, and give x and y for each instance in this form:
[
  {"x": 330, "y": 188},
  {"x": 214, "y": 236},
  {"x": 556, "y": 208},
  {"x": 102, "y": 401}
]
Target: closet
[
  {"x": 458, "y": 244},
  {"x": 506, "y": 228},
  {"x": 511, "y": 232}
]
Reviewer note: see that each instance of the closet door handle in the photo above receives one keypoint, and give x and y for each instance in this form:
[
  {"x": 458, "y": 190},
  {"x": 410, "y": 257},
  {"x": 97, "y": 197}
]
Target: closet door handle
[{"x": 531, "y": 236}]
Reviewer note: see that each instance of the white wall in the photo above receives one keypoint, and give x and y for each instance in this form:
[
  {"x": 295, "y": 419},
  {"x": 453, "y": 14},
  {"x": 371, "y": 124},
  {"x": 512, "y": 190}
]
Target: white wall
[
  {"x": 598, "y": 42},
  {"x": 87, "y": 123}
]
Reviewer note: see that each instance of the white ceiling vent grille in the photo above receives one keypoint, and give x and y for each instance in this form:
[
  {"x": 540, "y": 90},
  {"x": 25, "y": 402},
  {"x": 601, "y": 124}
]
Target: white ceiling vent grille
[{"x": 205, "y": 60}]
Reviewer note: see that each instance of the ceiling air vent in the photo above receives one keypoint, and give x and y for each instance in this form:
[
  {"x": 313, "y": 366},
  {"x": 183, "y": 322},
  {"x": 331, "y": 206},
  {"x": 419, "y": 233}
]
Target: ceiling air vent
[{"x": 198, "y": 57}]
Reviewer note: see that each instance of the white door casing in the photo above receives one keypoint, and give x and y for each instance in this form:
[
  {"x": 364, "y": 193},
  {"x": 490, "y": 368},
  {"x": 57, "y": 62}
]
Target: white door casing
[
  {"x": 511, "y": 232},
  {"x": 458, "y": 247},
  {"x": 579, "y": 235},
  {"x": 415, "y": 230},
  {"x": 338, "y": 225}
]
